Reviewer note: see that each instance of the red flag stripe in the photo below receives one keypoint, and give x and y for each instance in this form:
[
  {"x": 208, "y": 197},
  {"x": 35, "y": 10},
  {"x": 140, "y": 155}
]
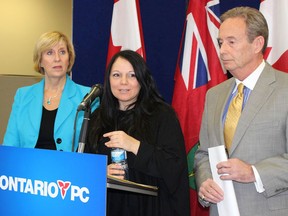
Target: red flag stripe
[
  {"x": 276, "y": 15},
  {"x": 126, "y": 28},
  {"x": 205, "y": 71}
]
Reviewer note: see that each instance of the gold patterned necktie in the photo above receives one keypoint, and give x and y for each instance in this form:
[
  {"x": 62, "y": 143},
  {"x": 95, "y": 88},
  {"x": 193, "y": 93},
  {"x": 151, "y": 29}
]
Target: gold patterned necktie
[{"x": 232, "y": 117}]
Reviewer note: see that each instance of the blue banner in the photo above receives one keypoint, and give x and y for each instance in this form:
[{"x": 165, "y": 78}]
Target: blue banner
[{"x": 46, "y": 182}]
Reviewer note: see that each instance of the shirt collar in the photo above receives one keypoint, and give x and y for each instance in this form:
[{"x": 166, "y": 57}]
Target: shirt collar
[{"x": 252, "y": 79}]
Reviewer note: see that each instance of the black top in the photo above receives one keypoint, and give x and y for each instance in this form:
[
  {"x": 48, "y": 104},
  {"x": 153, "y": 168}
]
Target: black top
[
  {"x": 46, "y": 133},
  {"x": 161, "y": 161}
]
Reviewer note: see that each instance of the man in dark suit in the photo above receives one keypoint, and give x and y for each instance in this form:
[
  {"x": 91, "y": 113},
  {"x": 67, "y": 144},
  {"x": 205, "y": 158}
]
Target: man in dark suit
[{"x": 258, "y": 159}]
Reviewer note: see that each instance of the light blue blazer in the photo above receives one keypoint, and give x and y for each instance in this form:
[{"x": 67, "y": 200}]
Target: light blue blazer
[{"x": 25, "y": 118}]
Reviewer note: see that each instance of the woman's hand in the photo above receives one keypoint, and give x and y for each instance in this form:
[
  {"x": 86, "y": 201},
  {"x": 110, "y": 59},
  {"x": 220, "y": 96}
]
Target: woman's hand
[
  {"x": 119, "y": 139},
  {"x": 116, "y": 170}
]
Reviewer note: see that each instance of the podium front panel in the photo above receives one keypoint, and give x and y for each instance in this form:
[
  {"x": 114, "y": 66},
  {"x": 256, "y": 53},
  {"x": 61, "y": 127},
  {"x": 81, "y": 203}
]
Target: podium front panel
[{"x": 47, "y": 182}]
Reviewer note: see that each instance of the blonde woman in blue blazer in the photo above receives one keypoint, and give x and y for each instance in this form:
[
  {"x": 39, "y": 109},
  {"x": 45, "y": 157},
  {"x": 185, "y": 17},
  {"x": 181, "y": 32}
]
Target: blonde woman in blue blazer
[{"x": 43, "y": 114}]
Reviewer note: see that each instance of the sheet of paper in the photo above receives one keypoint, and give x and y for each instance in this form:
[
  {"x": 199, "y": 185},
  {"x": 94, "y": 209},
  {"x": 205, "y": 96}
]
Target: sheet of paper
[{"x": 229, "y": 205}]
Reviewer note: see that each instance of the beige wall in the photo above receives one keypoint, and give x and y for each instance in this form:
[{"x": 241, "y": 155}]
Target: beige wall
[
  {"x": 8, "y": 86},
  {"x": 21, "y": 23}
]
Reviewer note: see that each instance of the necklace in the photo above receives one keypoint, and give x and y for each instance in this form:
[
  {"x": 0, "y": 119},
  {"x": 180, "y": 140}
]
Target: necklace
[{"x": 52, "y": 97}]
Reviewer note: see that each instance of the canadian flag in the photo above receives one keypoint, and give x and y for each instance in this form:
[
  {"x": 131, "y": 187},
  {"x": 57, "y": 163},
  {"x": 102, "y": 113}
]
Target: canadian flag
[
  {"x": 126, "y": 28},
  {"x": 276, "y": 14}
]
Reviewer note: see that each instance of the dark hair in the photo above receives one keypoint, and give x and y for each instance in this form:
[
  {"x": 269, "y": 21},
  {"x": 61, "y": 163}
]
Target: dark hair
[{"x": 147, "y": 99}]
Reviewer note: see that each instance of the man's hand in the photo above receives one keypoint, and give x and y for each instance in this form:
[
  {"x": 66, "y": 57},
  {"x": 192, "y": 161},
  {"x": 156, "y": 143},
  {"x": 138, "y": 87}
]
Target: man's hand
[
  {"x": 210, "y": 191},
  {"x": 237, "y": 170}
]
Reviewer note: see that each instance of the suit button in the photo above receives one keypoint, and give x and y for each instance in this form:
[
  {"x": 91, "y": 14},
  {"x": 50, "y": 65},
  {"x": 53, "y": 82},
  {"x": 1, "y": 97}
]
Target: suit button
[{"x": 59, "y": 140}]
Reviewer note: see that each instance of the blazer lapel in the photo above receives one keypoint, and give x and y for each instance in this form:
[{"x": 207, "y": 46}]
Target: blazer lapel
[
  {"x": 66, "y": 106},
  {"x": 220, "y": 107},
  {"x": 35, "y": 101},
  {"x": 261, "y": 92}
]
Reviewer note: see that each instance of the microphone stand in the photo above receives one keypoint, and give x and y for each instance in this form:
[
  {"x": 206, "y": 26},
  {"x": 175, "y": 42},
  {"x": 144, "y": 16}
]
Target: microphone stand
[{"x": 83, "y": 132}]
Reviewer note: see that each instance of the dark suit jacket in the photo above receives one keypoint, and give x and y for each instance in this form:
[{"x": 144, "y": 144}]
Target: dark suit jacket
[{"x": 261, "y": 139}]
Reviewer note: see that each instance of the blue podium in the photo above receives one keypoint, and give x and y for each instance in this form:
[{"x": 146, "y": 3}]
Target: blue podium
[{"x": 44, "y": 182}]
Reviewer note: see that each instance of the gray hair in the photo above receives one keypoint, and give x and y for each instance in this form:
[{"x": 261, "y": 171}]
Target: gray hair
[{"x": 255, "y": 22}]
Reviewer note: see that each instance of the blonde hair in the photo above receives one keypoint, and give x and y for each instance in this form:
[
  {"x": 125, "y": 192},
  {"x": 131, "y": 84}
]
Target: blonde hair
[{"x": 47, "y": 41}]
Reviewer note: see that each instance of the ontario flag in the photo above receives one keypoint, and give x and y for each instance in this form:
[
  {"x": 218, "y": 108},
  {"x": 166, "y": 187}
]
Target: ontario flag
[
  {"x": 276, "y": 14},
  {"x": 126, "y": 28},
  {"x": 198, "y": 69}
]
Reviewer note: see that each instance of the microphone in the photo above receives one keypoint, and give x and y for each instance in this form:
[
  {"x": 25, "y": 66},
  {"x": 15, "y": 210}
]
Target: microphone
[{"x": 96, "y": 91}]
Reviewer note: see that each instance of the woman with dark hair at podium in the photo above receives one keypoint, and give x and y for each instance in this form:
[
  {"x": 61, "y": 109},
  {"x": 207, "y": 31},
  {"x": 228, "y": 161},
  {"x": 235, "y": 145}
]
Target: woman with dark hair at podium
[
  {"x": 43, "y": 114},
  {"x": 133, "y": 117}
]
